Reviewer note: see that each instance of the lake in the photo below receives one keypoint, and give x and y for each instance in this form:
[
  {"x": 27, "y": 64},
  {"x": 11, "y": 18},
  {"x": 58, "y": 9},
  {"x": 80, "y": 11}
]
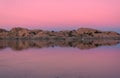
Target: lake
[{"x": 59, "y": 59}]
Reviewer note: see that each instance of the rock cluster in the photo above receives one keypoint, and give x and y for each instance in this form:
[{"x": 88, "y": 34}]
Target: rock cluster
[{"x": 23, "y": 33}]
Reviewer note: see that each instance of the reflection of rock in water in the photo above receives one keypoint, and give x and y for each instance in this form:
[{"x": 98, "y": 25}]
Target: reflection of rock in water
[{"x": 81, "y": 44}]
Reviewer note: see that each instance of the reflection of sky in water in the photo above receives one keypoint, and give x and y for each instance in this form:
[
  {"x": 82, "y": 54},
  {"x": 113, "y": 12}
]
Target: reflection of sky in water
[{"x": 60, "y": 62}]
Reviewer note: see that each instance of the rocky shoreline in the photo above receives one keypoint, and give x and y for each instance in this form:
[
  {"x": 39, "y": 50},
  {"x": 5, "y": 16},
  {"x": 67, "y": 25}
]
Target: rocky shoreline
[{"x": 79, "y": 34}]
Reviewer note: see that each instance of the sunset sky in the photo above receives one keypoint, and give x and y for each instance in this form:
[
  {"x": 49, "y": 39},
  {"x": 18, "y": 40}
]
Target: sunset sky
[{"x": 59, "y": 13}]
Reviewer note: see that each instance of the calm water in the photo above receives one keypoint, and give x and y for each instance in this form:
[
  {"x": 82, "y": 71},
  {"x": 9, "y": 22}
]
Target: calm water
[{"x": 60, "y": 59}]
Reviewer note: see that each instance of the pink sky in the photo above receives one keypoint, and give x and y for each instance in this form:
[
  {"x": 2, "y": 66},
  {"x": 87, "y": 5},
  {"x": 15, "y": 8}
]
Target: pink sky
[{"x": 60, "y": 12}]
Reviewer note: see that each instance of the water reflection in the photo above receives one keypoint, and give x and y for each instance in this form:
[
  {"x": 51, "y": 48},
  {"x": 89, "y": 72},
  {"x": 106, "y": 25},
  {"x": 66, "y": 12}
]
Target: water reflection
[
  {"x": 81, "y": 44},
  {"x": 65, "y": 61},
  {"x": 60, "y": 63}
]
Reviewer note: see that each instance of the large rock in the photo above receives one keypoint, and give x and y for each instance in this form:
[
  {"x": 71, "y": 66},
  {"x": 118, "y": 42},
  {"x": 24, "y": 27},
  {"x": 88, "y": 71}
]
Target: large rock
[
  {"x": 3, "y": 30},
  {"x": 19, "y": 32},
  {"x": 88, "y": 32},
  {"x": 3, "y": 33}
]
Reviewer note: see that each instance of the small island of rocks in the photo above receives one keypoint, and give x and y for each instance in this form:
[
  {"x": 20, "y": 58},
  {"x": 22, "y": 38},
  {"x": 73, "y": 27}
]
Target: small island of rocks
[{"x": 81, "y": 33}]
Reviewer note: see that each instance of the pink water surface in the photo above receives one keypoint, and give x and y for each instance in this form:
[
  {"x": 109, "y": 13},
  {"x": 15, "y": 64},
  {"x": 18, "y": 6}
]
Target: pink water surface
[{"x": 60, "y": 63}]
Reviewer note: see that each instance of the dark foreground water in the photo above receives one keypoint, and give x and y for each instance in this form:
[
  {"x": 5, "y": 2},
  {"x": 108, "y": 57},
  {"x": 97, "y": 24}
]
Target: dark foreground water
[{"x": 60, "y": 59}]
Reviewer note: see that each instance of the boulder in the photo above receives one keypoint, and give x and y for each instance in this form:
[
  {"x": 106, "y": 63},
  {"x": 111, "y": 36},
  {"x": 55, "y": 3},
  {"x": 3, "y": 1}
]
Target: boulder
[
  {"x": 19, "y": 32},
  {"x": 3, "y": 33}
]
